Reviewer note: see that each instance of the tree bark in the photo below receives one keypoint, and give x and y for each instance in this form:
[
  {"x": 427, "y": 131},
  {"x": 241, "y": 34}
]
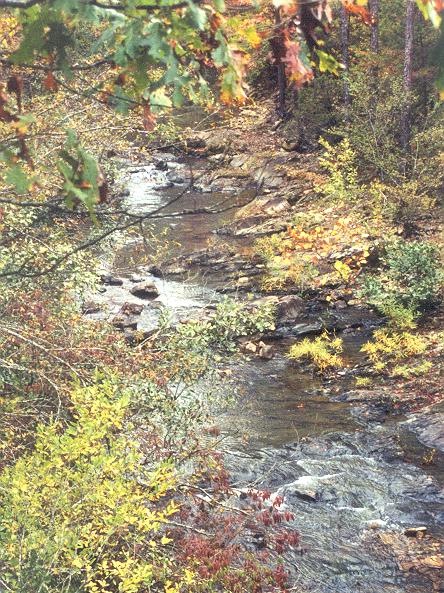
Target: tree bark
[
  {"x": 282, "y": 80},
  {"x": 345, "y": 35},
  {"x": 374, "y": 48},
  {"x": 374, "y": 31},
  {"x": 408, "y": 65}
]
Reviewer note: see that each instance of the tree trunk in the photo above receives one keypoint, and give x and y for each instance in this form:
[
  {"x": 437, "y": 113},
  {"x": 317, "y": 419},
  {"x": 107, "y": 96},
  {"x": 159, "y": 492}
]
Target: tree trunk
[
  {"x": 408, "y": 63},
  {"x": 374, "y": 47},
  {"x": 345, "y": 35},
  {"x": 282, "y": 86},
  {"x": 374, "y": 31},
  {"x": 282, "y": 80}
]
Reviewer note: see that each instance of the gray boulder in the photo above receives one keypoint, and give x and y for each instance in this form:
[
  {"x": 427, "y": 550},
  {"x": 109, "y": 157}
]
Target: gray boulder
[{"x": 145, "y": 290}]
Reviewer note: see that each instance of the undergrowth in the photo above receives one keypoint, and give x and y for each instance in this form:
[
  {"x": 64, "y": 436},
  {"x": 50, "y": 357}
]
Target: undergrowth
[{"x": 323, "y": 351}]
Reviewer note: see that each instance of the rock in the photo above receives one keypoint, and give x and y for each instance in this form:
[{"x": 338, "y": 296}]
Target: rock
[
  {"x": 418, "y": 532},
  {"x": 436, "y": 561},
  {"x": 340, "y": 304},
  {"x": 306, "y": 329},
  {"x": 137, "y": 278},
  {"x": 155, "y": 271},
  {"x": 429, "y": 427},
  {"x": 224, "y": 185},
  {"x": 195, "y": 142},
  {"x": 265, "y": 351},
  {"x": 249, "y": 347},
  {"x": 240, "y": 161},
  {"x": 289, "y": 308},
  {"x": 276, "y": 205},
  {"x": 210, "y": 142},
  {"x": 375, "y": 524},
  {"x": 91, "y": 307},
  {"x": 308, "y": 495},
  {"x": 145, "y": 290},
  {"x": 359, "y": 395},
  {"x": 269, "y": 177},
  {"x": 111, "y": 280},
  {"x": 131, "y": 309},
  {"x": 289, "y": 146},
  {"x": 216, "y": 158},
  {"x": 354, "y": 302},
  {"x": 130, "y": 336},
  {"x": 175, "y": 177},
  {"x": 161, "y": 165},
  {"x": 305, "y": 488},
  {"x": 124, "y": 322},
  {"x": 243, "y": 282}
]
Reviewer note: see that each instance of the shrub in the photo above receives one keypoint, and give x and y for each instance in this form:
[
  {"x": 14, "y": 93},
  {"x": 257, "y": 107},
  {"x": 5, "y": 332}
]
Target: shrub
[
  {"x": 373, "y": 123},
  {"x": 283, "y": 266},
  {"x": 363, "y": 381},
  {"x": 407, "y": 372},
  {"x": 289, "y": 269},
  {"x": 399, "y": 317},
  {"x": 230, "y": 321},
  {"x": 411, "y": 278},
  {"x": 233, "y": 320},
  {"x": 81, "y": 513},
  {"x": 340, "y": 162},
  {"x": 402, "y": 204},
  {"x": 323, "y": 351},
  {"x": 389, "y": 347}
]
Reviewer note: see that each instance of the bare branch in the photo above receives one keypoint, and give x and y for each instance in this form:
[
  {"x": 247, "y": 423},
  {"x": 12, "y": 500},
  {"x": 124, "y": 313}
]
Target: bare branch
[{"x": 121, "y": 7}]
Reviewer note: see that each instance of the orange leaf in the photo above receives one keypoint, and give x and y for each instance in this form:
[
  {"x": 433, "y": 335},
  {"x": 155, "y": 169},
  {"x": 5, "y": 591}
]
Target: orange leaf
[
  {"x": 149, "y": 119},
  {"x": 360, "y": 11},
  {"x": 50, "y": 83}
]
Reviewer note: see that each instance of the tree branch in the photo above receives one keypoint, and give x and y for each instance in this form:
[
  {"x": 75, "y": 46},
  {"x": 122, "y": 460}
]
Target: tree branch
[
  {"x": 43, "y": 68},
  {"x": 146, "y": 7}
]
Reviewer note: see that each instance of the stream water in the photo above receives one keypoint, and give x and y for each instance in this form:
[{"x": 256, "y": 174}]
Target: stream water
[{"x": 346, "y": 481}]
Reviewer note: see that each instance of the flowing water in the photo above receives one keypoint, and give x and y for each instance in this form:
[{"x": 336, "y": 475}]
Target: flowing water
[{"x": 346, "y": 481}]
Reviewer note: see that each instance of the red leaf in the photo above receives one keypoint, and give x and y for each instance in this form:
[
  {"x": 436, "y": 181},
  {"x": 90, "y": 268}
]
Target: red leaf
[
  {"x": 50, "y": 83},
  {"x": 295, "y": 69},
  {"x": 149, "y": 119},
  {"x": 15, "y": 85}
]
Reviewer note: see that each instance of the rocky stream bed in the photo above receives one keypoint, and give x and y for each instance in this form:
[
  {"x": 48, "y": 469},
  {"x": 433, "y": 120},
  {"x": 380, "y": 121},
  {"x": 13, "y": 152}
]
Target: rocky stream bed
[{"x": 351, "y": 475}]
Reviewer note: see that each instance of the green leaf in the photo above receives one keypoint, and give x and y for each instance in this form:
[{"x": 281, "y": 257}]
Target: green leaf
[
  {"x": 18, "y": 178},
  {"x": 219, "y": 5},
  {"x": 158, "y": 98},
  {"x": 178, "y": 98},
  {"x": 221, "y": 54},
  {"x": 328, "y": 63},
  {"x": 197, "y": 16}
]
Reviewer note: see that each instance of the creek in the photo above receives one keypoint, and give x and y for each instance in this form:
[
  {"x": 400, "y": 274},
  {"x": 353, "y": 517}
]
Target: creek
[{"x": 346, "y": 480}]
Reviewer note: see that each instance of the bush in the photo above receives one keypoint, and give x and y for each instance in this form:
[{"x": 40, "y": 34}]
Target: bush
[
  {"x": 402, "y": 204},
  {"x": 283, "y": 267},
  {"x": 389, "y": 347},
  {"x": 230, "y": 321},
  {"x": 340, "y": 162},
  {"x": 81, "y": 513},
  {"x": 323, "y": 351},
  {"x": 411, "y": 279},
  {"x": 373, "y": 123}
]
